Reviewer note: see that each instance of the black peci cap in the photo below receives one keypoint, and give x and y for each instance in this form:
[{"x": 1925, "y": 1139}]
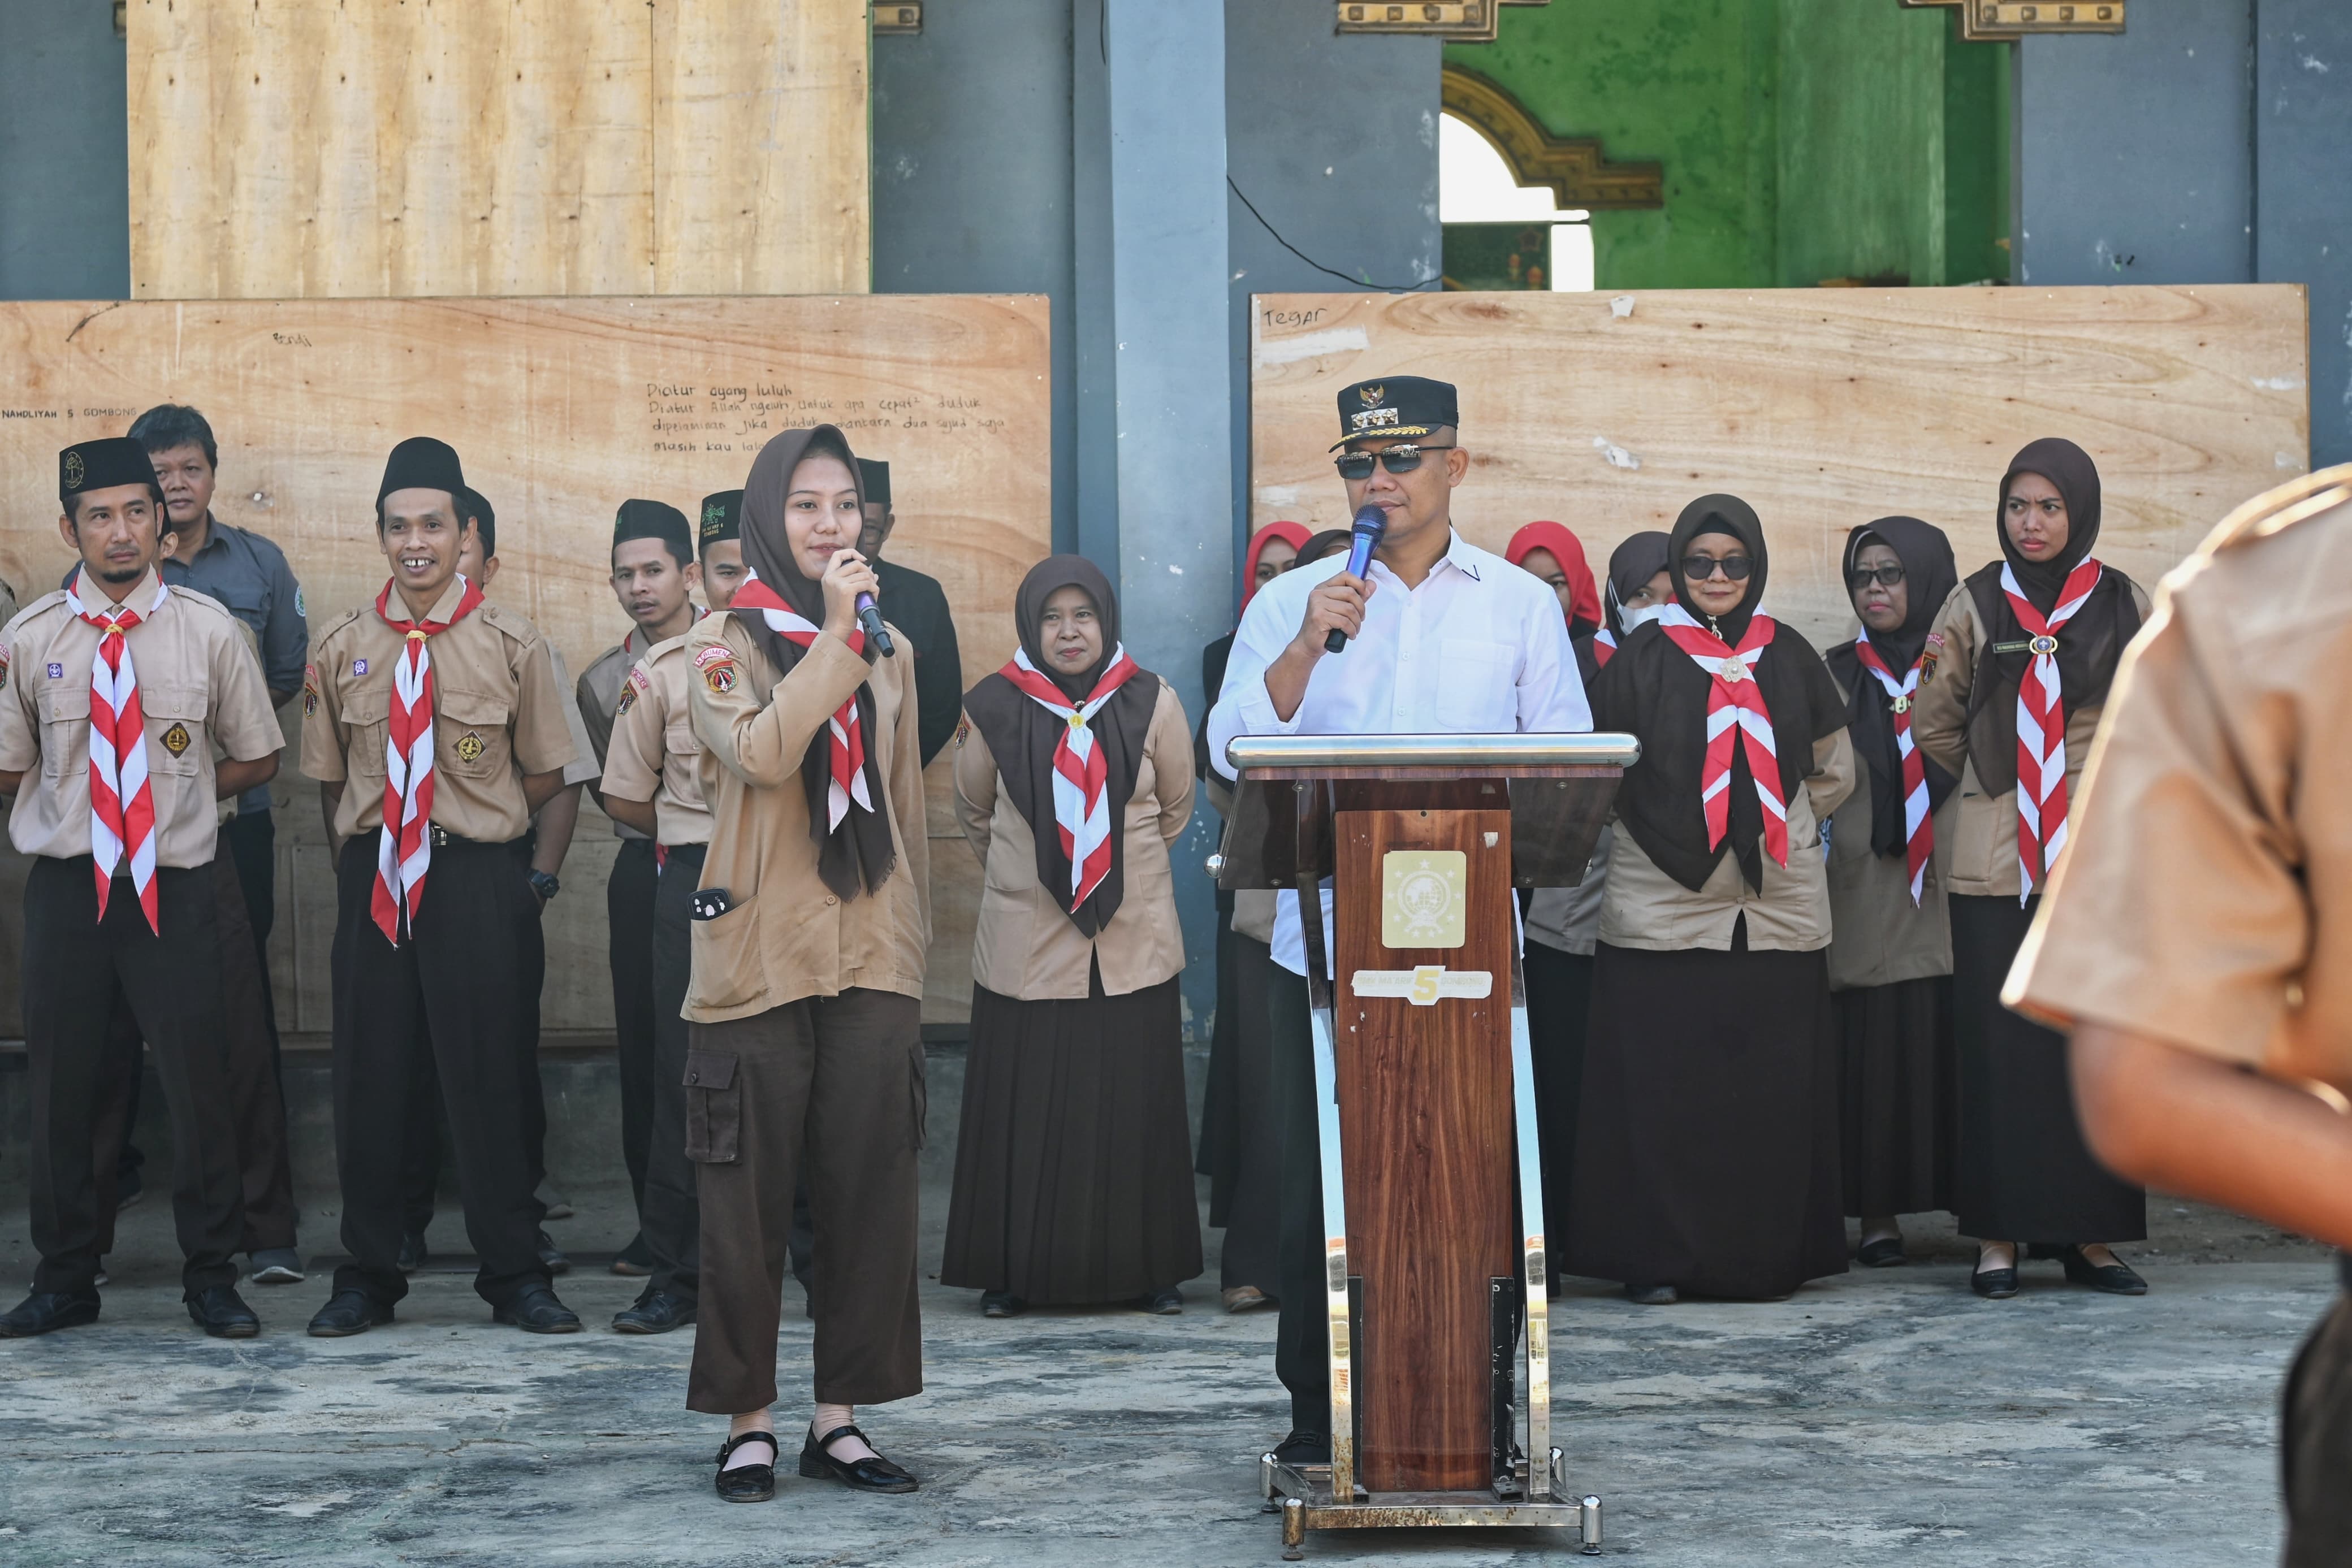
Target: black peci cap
[
  {"x": 421, "y": 463},
  {"x": 103, "y": 464},
  {"x": 659, "y": 520},
  {"x": 1395, "y": 406},
  {"x": 474, "y": 506},
  {"x": 722, "y": 517},
  {"x": 874, "y": 482}
]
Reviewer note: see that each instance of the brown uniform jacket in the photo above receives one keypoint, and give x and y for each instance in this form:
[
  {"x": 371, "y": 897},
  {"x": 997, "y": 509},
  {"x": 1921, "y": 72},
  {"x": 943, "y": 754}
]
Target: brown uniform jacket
[
  {"x": 200, "y": 690},
  {"x": 2205, "y": 898},
  {"x": 1982, "y": 859},
  {"x": 654, "y": 755},
  {"x": 787, "y": 935},
  {"x": 1641, "y": 906},
  {"x": 1877, "y": 935},
  {"x": 498, "y": 713},
  {"x": 1025, "y": 947}
]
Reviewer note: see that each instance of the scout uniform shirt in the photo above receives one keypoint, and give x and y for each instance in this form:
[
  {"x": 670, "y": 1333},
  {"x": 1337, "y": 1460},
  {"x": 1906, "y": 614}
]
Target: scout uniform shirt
[
  {"x": 653, "y": 755},
  {"x": 499, "y": 715},
  {"x": 199, "y": 683},
  {"x": 2205, "y": 897},
  {"x": 788, "y": 935},
  {"x": 599, "y": 695}
]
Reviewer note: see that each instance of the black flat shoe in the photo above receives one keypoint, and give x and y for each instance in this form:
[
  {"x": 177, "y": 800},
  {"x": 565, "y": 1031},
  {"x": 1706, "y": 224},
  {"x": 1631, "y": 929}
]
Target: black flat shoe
[
  {"x": 2115, "y": 1279},
  {"x": 535, "y": 1310},
  {"x": 1167, "y": 1303},
  {"x": 655, "y": 1311},
  {"x": 550, "y": 1255},
  {"x": 1653, "y": 1295},
  {"x": 412, "y": 1254},
  {"x": 1886, "y": 1252},
  {"x": 871, "y": 1474},
  {"x": 45, "y": 1311},
  {"x": 348, "y": 1312},
  {"x": 1994, "y": 1284},
  {"x": 221, "y": 1312},
  {"x": 1304, "y": 1446},
  {"x": 748, "y": 1484},
  {"x": 1002, "y": 1304}
]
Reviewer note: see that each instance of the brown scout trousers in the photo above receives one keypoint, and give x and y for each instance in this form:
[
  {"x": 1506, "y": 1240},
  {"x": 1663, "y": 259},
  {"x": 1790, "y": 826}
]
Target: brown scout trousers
[{"x": 843, "y": 1076}]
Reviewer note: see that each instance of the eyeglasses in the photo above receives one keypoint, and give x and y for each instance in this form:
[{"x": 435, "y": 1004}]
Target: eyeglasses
[
  {"x": 1395, "y": 459},
  {"x": 1699, "y": 568},
  {"x": 1885, "y": 576}
]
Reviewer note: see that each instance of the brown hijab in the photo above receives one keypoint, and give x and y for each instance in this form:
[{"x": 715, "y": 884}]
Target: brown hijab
[
  {"x": 1023, "y": 735},
  {"x": 858, "y": 855}
]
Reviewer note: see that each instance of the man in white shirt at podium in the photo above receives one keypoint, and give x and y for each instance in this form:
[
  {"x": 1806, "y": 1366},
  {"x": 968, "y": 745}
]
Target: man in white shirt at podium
[{"x": 1442, "y": 637}]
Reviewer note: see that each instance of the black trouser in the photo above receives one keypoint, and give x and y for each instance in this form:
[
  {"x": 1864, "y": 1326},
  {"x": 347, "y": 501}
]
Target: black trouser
[
  {"x": 1302, "y": 1345},
  {"x": 75, "y": 966},
  {"x": 2315, "y": 1445},
  {"x": 629, "y": 917},
  {"x": 668, "y": 1213},
  {"x": 453, "y": 989}
]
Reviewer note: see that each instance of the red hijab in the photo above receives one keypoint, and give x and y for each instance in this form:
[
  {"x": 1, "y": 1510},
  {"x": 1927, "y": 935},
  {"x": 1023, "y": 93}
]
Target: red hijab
[
  {"x": 1293, "y": 534},
  {"x": 1584, "y": 613}
]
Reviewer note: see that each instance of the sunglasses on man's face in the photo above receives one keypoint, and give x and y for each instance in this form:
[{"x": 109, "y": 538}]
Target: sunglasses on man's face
[
  {"x": 1863, "y": 576},
  {"x": 1699, "y": 568},
  {"x": 1395, "y": 459}
]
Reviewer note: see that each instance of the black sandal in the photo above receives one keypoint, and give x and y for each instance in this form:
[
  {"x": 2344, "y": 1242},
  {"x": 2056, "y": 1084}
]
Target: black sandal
[
  {"x": 874, "y": 1474},
  {"x": 748, "y": 1484}
]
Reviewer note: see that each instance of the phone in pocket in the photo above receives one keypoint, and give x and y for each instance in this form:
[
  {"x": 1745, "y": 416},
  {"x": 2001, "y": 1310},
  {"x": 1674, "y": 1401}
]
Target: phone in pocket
[{"x": 711, "y": 902}]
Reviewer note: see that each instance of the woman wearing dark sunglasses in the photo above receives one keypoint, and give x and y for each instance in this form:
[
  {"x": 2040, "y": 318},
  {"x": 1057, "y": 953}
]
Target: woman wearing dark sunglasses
[
  {"x": 1707, "y": 1135},
  {"x": 1890, "y": 960},
  {"x": 2027, "y": 648}
]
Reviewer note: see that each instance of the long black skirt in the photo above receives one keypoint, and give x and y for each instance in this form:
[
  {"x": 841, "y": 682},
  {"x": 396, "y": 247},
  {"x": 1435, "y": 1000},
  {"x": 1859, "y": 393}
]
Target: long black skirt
[
  {"x": 1899, "y": 1076},
  {"x": 1073, "y": 1176},
  {"x": 1559, "y": 1004},
  {"x": 1707, "y": 1145},
  {"x": 1241, "y": 1136},
  {"x": 2024, "y": 1172}
]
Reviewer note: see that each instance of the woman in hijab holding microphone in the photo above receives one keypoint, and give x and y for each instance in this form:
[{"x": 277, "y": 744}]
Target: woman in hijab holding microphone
[
  {"x": 2026, "y": 649},
  {"x": 1707, "y": 1139},
  {"x": 1074, "y": 1175},
  {"x": 1891, "y": 955},
  {"x": 808, "y": 929}
]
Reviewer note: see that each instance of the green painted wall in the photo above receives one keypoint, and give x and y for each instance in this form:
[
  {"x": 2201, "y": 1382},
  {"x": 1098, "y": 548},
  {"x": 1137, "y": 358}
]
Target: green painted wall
[{"x": 1802, "y": 139}]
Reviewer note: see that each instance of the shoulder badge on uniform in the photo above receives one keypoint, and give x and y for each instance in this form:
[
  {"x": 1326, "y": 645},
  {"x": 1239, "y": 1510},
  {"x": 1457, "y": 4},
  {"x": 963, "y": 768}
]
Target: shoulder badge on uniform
[
  {"x": 963, "y": 728},
  {"x": 470, "y": 747},
  {"x": 1927, "y": 658},
  {"x": 716, "y": 664},
  {"x": 175, "y": 739},
  {"x": 3, "y": 669},
  {"x": 310, "y": 690},
  {"x": 628, "y": 699}
]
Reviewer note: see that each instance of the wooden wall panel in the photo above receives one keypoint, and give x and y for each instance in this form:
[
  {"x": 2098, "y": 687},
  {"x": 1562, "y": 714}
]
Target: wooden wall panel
[
  {"x": 322, "y": 149},
  {"x": 1823, "y": 408},
  {"x": 560, "y": 409}
]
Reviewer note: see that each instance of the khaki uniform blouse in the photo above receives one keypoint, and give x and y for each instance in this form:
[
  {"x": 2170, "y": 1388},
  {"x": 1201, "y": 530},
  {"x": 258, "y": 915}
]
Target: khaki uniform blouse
[
  {"x": 1877, "y": 935},
  {"x": 1025, "y": 947},
  {"x": 1983, "y": 861},
  {"x": 200, "y": 690},
  {"x": 788, "y": 935},
  {"x": 653, "y": 755},
  {"x": 2205, "y": 898},
  {"x": 500, "y": 715},
  {"x": 1641, "y": 906}
]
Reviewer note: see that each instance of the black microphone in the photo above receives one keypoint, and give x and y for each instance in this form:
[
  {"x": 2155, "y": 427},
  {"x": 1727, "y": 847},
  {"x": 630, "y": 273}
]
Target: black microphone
[
  {"x": 870, "y": 618},
  {"x": 1370, "y": 523}
]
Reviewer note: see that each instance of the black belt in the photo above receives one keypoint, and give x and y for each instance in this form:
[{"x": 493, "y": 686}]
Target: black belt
[
  {"x": 442, "y": 838},
  {"x": 694, "y": 853}
]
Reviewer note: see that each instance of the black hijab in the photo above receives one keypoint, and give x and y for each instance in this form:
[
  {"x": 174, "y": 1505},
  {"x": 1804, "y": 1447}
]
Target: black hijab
[
  {"x": 1631, "y": 564},
  {"x": 1655, "y": 690},
  {"x": 1023, "y": 735},
  {"x": 860, "y": 855},
  {"x": 1930, "y": 575},
  {"x": 2089, "y": 644}
]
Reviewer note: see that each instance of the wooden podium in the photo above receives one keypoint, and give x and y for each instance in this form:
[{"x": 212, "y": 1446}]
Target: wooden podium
[{"x": 1426, "y": 1104}]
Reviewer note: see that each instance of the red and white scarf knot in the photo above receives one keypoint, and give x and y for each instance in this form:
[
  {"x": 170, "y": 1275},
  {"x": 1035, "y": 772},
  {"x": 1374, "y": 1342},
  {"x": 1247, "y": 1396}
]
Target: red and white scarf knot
[
  {"x": 1734, "y": 701},
  {"x": 2042, "y": 725},
  {"x": 845, "y": 780},
  {"x": 1081, "y": 775},
  {"x": 405, "y": 847},
  {"x": 121, "y": 800},
  {"x": 1919, "y": 827}
]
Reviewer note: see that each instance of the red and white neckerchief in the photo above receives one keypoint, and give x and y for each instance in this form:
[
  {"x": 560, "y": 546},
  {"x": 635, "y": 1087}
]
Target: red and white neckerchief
[
  {"x": 1919, "y": 827},
  {"x": 121, "y": 800},
  {"x": 2042, "y": 725},
  {"x": 405, "y": 848},
  {"x": 847, "y": 754},
  {"x": 1734, "y": 701},
  {"x": 1081, "y": 776},
  {"x": 1604, "y": 647}
]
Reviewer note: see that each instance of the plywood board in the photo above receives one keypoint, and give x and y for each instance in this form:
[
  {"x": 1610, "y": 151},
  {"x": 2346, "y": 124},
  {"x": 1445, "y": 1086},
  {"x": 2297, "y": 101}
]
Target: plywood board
[
  {"x": 560, "y": 409},
  {"x": 319, "y": 149},
  {"x": 1823, "y": 408}
]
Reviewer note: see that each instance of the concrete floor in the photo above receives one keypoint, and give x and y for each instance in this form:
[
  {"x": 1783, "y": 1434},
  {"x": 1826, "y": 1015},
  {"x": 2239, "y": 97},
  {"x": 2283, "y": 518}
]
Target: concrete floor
[{"x": 1878, "y": 1413}]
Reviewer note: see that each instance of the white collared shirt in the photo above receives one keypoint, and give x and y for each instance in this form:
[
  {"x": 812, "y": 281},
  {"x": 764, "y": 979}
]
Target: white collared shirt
[{"x": 1479, "y": 648}]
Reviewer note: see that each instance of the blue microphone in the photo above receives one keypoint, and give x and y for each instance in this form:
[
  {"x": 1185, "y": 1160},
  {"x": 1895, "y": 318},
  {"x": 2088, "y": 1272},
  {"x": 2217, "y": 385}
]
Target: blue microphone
[{"x": 1370, "y": 523}]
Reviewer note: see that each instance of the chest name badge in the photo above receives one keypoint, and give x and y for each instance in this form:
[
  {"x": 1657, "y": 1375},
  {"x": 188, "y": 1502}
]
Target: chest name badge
[
  {"x": 470, "y": 747},
  {"x": 175, "y": 739}
]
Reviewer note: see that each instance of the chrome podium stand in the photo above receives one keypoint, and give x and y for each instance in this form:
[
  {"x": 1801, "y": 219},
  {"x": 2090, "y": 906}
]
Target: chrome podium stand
[{"x": 1559, "y": 789}]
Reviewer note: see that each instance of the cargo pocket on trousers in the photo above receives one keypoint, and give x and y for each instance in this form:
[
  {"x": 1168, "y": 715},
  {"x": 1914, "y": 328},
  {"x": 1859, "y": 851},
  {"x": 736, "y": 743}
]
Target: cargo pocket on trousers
[
  {"x": 919, "y": 1094},
  {"x": 714, "y": 1108}
]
